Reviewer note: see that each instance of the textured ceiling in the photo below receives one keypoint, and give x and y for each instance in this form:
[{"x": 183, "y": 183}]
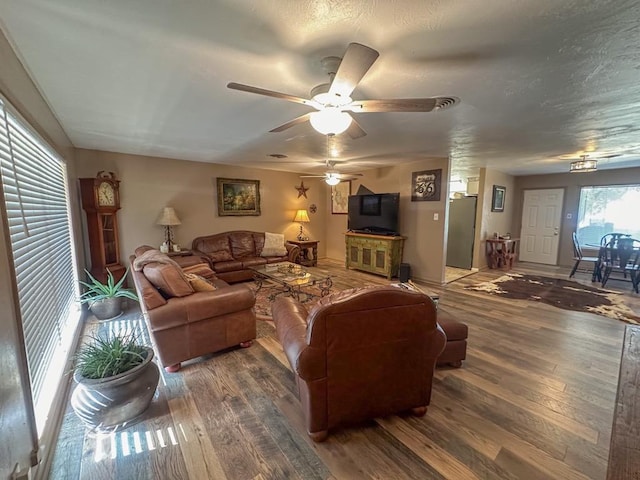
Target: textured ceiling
[{"x": 541, "y": 81}]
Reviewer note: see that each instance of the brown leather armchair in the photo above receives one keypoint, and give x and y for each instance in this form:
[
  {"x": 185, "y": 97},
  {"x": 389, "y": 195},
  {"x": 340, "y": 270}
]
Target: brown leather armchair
[{"x": 360, "y": 354}]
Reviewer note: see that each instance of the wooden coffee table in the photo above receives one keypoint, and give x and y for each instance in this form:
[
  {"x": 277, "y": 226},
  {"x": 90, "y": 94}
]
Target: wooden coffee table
[{"x": 289, "y": 278}]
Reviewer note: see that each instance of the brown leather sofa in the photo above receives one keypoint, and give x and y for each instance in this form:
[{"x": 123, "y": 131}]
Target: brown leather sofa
[
  {"x": 185, "y": 323},
  {"x": 360, "y": 354},
  {"x": 230, "y": 254}
]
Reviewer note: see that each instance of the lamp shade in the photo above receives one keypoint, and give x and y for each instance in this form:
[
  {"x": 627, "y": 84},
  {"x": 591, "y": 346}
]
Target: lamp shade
[
  {"x": 301, "y": 216},
  {"x": 330, "y": 121},
  {"x": 168, "y": 217}
]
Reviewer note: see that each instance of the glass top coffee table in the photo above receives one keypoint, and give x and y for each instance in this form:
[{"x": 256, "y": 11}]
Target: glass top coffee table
[{"x": 290, "y": 278}]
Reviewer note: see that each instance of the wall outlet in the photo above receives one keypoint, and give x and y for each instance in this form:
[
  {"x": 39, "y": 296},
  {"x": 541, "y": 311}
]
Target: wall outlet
[{"x": 436, "y": 216}]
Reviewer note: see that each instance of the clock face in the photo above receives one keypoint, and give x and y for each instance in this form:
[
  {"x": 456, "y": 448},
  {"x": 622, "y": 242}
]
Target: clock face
[{"x": 106, "y": 195}]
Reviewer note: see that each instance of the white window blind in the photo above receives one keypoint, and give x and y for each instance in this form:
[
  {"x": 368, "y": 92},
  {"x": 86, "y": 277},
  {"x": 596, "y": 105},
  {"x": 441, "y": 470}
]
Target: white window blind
[{"x": 35, "y": 195}]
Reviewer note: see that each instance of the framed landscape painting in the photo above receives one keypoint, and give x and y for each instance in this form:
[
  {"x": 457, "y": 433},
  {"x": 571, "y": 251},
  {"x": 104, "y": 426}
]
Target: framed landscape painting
[
  {"x": 340, "y": 197},
  {"x": 238, "y": 197}
]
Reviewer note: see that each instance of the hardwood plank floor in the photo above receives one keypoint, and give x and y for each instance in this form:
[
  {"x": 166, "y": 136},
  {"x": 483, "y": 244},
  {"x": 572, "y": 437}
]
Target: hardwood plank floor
[{"x": 534, "y": 400}]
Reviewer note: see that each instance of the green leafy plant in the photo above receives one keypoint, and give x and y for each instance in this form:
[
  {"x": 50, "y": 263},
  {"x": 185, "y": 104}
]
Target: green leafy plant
[
  {"x": 96, "y": 290},
  {"x": 106, "y": 357}
]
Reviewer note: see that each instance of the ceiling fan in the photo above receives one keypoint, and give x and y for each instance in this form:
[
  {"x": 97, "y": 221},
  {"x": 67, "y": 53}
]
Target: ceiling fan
[
  {"x": 333, "y": 103},
  {"x": 585, "y": 164},
  {"x": 333, "y": 176}
]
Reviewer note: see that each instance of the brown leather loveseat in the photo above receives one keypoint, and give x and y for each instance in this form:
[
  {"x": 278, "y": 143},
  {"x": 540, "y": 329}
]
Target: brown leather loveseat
[
  {"x": 360, "y": 354},
  {"x": 230, "y": 254},
  {"x": 188, "y": 318}
]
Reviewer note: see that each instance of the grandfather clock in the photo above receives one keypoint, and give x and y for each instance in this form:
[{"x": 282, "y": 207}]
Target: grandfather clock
[{"x": 101, "y": 202}]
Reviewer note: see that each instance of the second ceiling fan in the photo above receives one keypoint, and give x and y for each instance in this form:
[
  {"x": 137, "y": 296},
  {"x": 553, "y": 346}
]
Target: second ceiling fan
[{"x": 333, "y": 103}]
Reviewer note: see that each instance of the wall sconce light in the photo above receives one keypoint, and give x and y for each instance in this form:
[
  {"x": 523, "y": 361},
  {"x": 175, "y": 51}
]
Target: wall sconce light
[
  {"x": 168, "y": 219},
  {"x": 301, "y": 217}
]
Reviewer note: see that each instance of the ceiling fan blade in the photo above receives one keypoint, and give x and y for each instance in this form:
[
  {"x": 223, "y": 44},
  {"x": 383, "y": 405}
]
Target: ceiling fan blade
[
  {"x": 270, "y": 93},
  {"x": 394, "y": 105},
  {"x": 295, "y": 121},
  {"x": 312, "y": 176},
  {"x": 355, "y": 130},
  {"x": 356, "y": 62}
]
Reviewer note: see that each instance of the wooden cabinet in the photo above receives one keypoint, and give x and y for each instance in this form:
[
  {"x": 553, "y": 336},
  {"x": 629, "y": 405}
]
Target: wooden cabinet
[
  {"x": 101, "y": 202},
  {"x": 379, "y": 254}
]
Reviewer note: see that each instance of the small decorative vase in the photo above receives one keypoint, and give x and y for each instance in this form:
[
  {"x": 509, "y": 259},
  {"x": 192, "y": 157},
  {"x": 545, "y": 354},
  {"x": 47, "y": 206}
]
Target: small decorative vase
[
  {"x": 107, "y": 308},
  {"x": 108, "y": 403}
]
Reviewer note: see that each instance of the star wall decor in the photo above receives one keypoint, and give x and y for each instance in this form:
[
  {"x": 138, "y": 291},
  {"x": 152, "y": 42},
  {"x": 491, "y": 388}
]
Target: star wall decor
[{"x": 302, "y": 190}]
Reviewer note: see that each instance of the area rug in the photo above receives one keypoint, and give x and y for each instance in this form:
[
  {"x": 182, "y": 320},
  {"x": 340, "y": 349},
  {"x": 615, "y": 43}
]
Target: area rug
[{"x": 560, "y": 293}]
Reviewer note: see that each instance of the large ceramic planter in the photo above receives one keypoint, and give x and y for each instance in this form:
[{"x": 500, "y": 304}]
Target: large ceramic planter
[
  {"x": 111, "y": 402},
  {"x": 107, "y": 308}
]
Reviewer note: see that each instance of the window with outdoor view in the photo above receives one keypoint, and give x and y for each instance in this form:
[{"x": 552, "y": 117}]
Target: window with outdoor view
[
  {"x": 34, "y": 182},
  {"x": 608, "y": 209}
]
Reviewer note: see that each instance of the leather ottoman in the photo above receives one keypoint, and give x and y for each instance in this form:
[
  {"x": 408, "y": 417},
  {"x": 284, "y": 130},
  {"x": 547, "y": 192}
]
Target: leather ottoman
[{"x": 455, "y": 350}]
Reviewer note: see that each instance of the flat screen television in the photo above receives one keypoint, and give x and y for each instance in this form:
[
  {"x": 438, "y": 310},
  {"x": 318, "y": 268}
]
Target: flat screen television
[{"x": 374, "y": 213}]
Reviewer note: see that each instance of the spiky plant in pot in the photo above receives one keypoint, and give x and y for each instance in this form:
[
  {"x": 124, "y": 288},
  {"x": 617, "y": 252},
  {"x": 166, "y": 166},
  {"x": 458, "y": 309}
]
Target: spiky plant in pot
[
  {"x": 108, "y": 357},
  {"x": 116, "y": 380},
  {"x": 104, "y": 300}
]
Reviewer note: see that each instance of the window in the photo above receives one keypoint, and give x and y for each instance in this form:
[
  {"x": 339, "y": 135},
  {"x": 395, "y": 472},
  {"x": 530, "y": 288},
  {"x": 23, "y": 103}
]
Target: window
[
  {"x": 608, "y": 209},
  {"x": 35, "y": 198}
]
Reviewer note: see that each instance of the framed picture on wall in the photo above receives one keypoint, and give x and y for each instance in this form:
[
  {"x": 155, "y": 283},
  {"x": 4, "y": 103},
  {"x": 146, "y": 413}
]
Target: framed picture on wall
[
  {"x": 497, "y": 199},
  {"x": 426, "y": 186},
  {"x": 238, "y": 197},
  {"x": 340, "y": 197}
]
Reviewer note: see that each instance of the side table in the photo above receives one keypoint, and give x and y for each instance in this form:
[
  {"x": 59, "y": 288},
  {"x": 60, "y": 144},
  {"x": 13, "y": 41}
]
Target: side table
[
  {"x": 502, "y": 252},
  {"x": 308, "y": 252}
]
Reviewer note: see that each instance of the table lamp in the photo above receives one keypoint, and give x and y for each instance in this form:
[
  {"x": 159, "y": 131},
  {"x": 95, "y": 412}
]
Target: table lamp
[
  {"x": 301, "y": 217},
  {"x": 168, "y": 219}
]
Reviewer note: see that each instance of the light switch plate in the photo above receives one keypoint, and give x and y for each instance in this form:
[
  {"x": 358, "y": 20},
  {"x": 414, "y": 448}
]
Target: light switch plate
[{"x": 436, "y": 216}]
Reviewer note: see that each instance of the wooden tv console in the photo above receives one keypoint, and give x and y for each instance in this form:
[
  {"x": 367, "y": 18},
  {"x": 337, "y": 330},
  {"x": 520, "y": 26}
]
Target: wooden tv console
[{"x": 379, "y": 254}]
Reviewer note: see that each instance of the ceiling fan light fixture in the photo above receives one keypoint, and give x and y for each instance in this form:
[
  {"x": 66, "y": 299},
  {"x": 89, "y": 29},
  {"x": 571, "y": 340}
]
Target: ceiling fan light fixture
[
  {"x": 584, "y": 165},
  {"x": 330, "y": 121},
  {"x": 332, "y": 179}
]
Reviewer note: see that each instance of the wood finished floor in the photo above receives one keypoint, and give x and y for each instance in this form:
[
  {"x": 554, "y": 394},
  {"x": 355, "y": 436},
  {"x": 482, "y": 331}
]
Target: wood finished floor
[{"x": 534, "y": 400}]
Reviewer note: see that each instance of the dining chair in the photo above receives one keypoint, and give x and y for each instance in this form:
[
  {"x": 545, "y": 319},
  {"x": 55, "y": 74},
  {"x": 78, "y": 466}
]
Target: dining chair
[
  {"x": 622, "y": 256},
  {"x": 612, "y": 237},
  {"x": 579, "y": 257}
]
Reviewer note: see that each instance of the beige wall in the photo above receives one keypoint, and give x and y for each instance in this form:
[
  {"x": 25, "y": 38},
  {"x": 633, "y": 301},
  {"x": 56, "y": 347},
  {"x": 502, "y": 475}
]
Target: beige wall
[
  {"x": 571, "y": 182},
  {"x": 424, "y": 247},
  {"x": 488, "y": 222},
  {"x": 148, "y": 184},
  {"x": 16, "y": 417}
]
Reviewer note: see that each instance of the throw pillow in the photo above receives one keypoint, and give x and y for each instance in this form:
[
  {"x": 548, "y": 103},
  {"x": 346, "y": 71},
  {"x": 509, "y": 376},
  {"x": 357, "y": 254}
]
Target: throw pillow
[
  {"x": 199, "y": 284},
  {"x": 273, "y": 245}
]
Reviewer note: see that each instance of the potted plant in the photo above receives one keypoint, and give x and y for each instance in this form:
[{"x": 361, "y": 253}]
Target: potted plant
[
  {"x": 104, "y": 300},
  {"x": 116, "y": 380}
]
